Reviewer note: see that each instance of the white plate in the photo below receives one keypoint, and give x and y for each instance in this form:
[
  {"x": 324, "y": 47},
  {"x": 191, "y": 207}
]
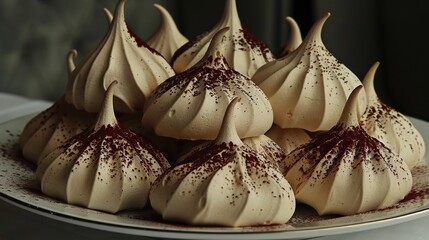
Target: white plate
[{"x": 19, "y": 187}]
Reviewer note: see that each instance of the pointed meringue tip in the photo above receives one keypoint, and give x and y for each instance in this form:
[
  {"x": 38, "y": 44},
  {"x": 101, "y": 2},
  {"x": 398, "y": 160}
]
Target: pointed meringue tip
[
  {"x": 228, "y": 130},
  {"x": 323, "y": 19},
  {"x": 290, "y": 20},
  {"x": 108, "y": 15},
  {"x": 350, "y": 114},
  {"x": 158, "y": 6},
  {"x": 165, "y": 15},
  {"x": 161, "y": 10},
  {"x": 295, "y": 38},
  {"x": 371, "y": 73},
  {"x": 231, "y": 106},
  {"x": 316, "y": 30},
  {"x": 110, "y": 90},
  {"x": 107, "y": 112},
  {"x": 368, "y": 81},
  {"x": 216, "y": 47},
  {"x": 221, "y": 33},
  {"x": 293, "y": 25},
  {"x": 70, "y": 60},
  {"x": 119, "y": 10}
]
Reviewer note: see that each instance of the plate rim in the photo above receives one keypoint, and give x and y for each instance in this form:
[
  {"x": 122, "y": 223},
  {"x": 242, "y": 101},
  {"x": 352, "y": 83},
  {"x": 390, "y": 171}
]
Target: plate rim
[
  {"x": 173, "y": 234},
  {"x": 150, "y": 231}
]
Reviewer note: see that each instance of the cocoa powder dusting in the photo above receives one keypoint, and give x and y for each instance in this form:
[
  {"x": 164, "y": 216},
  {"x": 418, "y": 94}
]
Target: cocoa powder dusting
[
  {"x": 212, "y": 75},
  {"x": 378, "y": 117},
  {"x": 140, "y": 42},
  {"x": 255, "y": 44},
  {"x": 10, "y": 149},
  {"x": 335, "y": 145},
  {"x": 118, "y": 143},
  {"x": 208, "y": 159}
]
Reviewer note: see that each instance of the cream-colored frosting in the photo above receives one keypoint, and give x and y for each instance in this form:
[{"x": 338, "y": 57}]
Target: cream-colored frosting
[
  {"x": 245, "y": 53},
  {"x": 167, "y": 39},
  {"x": 390, "y": 126},
  {"x": 123, "y": 57},
  {"x": 265, "y": 146},
  {"x": 107, "y": 167},
  {"x": 288, "y": 138},
  {"x": 187, "y": 105},
  {"x": 224, "y": 182},
  {"x": 295, "y": 38},
  {"x": 51, "y": 128},
  {"x": 346, "y": 171},
  {"x": 309, "y": 87}
]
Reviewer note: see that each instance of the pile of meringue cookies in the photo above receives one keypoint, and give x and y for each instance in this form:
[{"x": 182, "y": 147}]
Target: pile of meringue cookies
[{"x": 218, "y": 131}]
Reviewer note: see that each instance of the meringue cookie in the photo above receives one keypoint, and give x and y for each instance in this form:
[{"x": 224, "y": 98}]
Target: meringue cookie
[
  {"x": 187, "y": 105},
  {"x": 346, "y": 171},
  {"x": 265, "y": 146},
  {"x": 308, "y": 80},
  {"x": 167, "y": 39},
  {"x": 51, "y": 128},
  {"x": 245, "y": 52},
  {"x": 390, "y": 126},
  {"x": 288, "y": 138},
  {"x": 226, "y": 183},
  {"x": 295, "y": 38},
  {"x": 120, "y": 56},
  {"x": 107, "y": 167}
]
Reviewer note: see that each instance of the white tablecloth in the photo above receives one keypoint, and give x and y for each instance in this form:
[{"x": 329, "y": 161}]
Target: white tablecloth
[{"x": 16, "y": 223}]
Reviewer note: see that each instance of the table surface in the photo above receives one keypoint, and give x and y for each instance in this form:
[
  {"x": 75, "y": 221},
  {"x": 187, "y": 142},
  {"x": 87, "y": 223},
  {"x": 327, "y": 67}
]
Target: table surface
[{"x": 16, "y": 223}]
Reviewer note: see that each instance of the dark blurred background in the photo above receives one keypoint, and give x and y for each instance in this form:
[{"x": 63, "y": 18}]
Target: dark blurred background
[{"x": 35, "y": 36}]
